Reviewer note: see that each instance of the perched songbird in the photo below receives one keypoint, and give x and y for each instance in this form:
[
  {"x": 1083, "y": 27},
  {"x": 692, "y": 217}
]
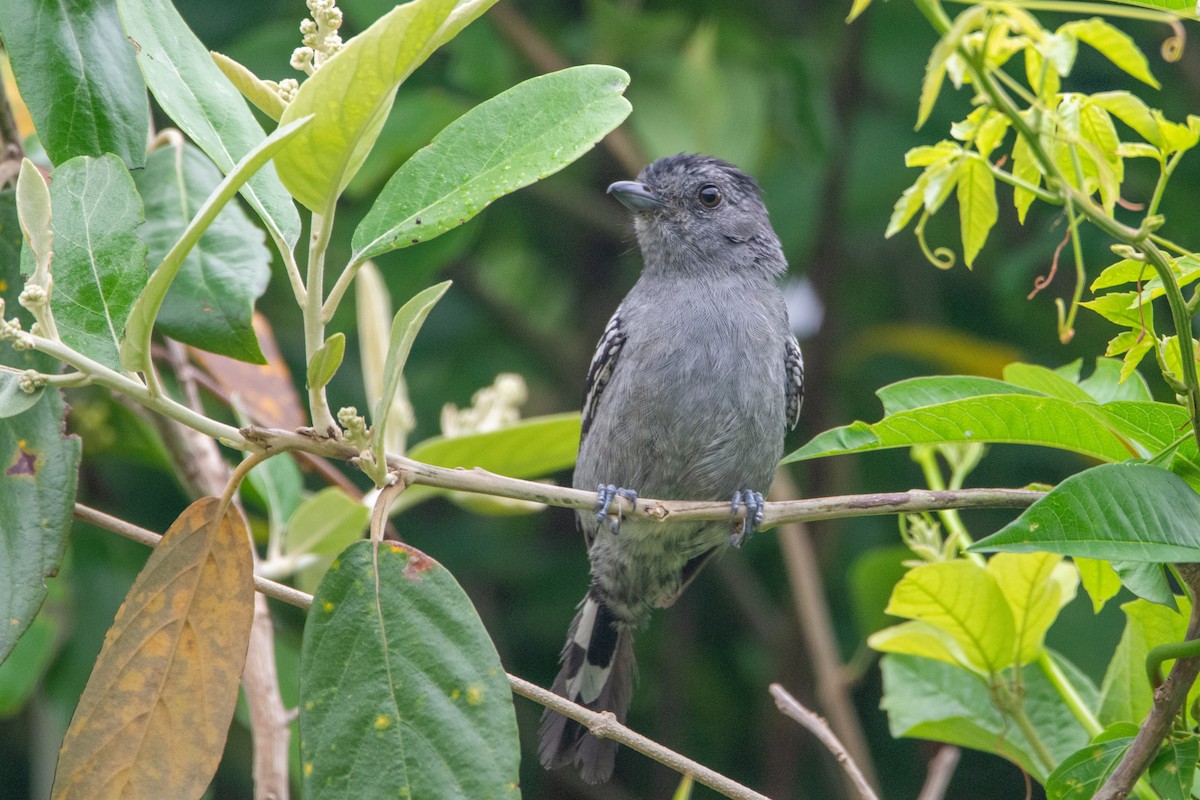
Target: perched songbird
[{"x": 688, "y": 397}]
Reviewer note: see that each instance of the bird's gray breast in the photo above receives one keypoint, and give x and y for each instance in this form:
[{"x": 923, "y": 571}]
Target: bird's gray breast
[{"x": 696, "y": 403}]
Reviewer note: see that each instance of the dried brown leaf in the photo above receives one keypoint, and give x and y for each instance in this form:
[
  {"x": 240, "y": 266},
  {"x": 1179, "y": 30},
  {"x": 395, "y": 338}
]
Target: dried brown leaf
[{"x": 153, "y": 718}]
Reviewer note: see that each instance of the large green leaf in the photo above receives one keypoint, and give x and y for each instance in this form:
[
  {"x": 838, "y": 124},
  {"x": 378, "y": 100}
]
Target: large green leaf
[
  {"x": 1081, "y": 774},
  {"x": 37, "y": 495},
  {"x": 99, "y": 262},
  {"x": 401, "y": 690},
  {"x": 201, "y": 101},
  {"x": 1006, "y": 418},
  {"x": 528, "y": 132},
  {"x": 1117, "y": 512},
  {"x": 932, "y": 700},
  {"x": 350, "y": 96},
  {"x": 77, "y": 74},
  {"x": 211, "y": 301},
  {"x": 532, "y": 448}
]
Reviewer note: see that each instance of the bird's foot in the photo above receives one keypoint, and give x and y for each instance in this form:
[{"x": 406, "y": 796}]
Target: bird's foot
[
  {"x": 742, "y": 526},
  {"x": 607, "y": 493}
]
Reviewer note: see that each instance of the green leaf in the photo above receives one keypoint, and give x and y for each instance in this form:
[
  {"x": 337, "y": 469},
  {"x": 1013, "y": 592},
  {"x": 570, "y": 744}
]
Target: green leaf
[
  {"x": 402, "y": 692},
  {"x": 1116, "y": 307},
  {"x": 1025, "y": 167},
  {"x": 135, "y": 349},
  {"x": 13, "y": 400},
  {"x": 1130, "y": 109},
  {"x": 1045, "y": 381},
  {"x": 210, "y": 304},
  {"x": 913, "y": 393},
  {"x": 940, "y": 180},
  {"x": 37, "y": 496},
  {"x": 977, "y": 205},
  {"x": 964, "y": 600},
  {"x": 1000, "y": 418},
  {"x": 25, "y": 667},
  {"x": 528, "y": 132},
  {"x": 1080, "y": 775},
  {"x": 1174, "y": 768},
  {"x": 1121, "y": 512},
  {"x": 855, "y": 10},
  {"x": 189, "y": 87},
  {"x": 350, "y": 96},
  {"x": 1036, "y": 586},
  {"x": 83, "y": 102},
  {"x": 35, "y": 216},
  {"x": 263, "y": 94},
  {"x": 920, "y": 638},
  {"x": 907, "y": 205},
  {"x": 1113, "y": 44},
  {"x": 327, "y": 522},
  {"x": 872, "y": 577},
  {"x": 325, "y": 362},
  {"x": 99, "y": 262},
  {"x": 935, "y": 69},
  {"x": 1125, "y": 694},
  {"x": 931, "y": 700},
  {"x": 279, "y": 487},
  {"x": 1146, "y": 580},
  {"x": 532, "y": 448},
  {"x": 1099, "y": 580},
  {"x": 405, "y": 326}
]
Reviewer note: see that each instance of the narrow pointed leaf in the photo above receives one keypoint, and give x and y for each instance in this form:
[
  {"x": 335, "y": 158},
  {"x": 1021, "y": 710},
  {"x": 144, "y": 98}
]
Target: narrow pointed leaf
[
  {"x": 1121, "y": 512},
  {"x": 153, "y": 718},
  {"x": 350, "y": 97},
  {"x": 1099, "y": 580},
  {"x": 263, "y": 94},
  {"x": 189, "y": 87},
  {"x": 402, "y": 693},
  {"x": 83, "y": 103},
  {"x": 99, "y": 262},
  {"x": 210, "y": 304},
  {"x": 1113, "y": 44},
  {"x": 37, "y": 495},
  {"x": 977, "y": 206},
  {"x": 135, "y": 349},
  {"x": 405, "y": 326},
  {"x": 518, "y": 137}
]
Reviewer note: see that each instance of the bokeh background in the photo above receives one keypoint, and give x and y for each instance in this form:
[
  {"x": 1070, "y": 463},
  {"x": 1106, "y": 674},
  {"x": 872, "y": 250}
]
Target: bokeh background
[{"x": 822, "y": 113}]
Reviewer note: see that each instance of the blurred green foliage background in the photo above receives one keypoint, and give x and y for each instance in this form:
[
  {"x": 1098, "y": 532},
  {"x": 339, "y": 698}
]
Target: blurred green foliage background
[{"x": 822, "y": 114}]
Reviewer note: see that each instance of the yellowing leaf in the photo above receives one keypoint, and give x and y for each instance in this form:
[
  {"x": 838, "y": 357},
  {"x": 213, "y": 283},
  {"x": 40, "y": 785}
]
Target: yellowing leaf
[
  {"x": 1099, "y": 580},
  {"x": 153, "y": 718},
  {"x": 964, "y": 600},
  {"x": 935, "y": 70},
  {"x": 1113, "y": 44},
  {"x": 977, "y": 207},
  {"x": 1034, "y": 595},
  {"x": 263, "y": 94},
  {"x": 1130, "y": 109},
  {"x": 1025, "y": 167},
  {"x": 917, "y": 638},
  {"x": 908, "y": 204}
]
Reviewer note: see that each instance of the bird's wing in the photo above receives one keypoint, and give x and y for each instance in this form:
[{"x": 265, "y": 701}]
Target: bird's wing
[
  {"x": 794, "y": 373},
  {"x": 601, "y": 369}
]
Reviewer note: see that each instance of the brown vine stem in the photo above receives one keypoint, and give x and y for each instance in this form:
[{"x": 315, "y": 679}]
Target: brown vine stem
[{"x": 602, "y": 724}]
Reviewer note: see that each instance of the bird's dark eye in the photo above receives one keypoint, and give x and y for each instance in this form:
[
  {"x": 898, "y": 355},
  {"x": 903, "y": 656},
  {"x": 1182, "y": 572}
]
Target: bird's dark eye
[{"x": 710, "y": 196}]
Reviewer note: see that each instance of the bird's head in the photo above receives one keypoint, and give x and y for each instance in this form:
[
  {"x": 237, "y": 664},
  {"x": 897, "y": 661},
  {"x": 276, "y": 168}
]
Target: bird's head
[{"x": 697, "y": 214}]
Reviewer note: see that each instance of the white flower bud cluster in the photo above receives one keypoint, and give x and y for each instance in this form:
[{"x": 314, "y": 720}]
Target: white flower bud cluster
[
  {"x": 30, "y": 381},
  {"x": 357, "y": 432},
  {"x": 492, "y": 408},
  {"x": 321, "y": 39}
]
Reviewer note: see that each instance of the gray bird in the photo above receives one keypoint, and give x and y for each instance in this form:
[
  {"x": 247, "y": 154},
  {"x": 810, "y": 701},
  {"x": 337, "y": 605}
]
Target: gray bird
[{"x": 688, "y": 396}]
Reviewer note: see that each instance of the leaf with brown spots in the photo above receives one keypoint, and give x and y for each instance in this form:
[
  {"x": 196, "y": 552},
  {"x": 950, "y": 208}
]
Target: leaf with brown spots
[
  {"x": 401, "y": 691},
  {"x": 153, "y": 718},
  {"x": 38, "y": 470}
]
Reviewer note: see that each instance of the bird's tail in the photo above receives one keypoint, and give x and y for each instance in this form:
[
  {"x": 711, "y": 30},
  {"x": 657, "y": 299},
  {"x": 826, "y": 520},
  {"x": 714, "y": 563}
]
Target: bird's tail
[{"x": 597, "y": 672}]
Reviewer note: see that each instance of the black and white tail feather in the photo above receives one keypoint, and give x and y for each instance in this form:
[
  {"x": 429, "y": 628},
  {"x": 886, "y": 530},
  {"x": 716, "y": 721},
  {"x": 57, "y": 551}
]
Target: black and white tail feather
[{"x": 598, "y": 669}]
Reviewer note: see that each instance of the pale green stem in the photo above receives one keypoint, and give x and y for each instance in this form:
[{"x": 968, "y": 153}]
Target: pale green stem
[
  {"x": 1013, "y": 180},
  {"x": 926, "y": 458},
  {"x": 136, "y": 390},
  {"x": 1013, "y": 707},
  {"x": 1164, "y": 175},
  {"x": 1165, "y": 16},
  {"x": 339, "y": 290},
  {"x": 292, "y": 269},
  {"x": 314, "y": 324},
  {"x": 1066, "y": 690}
]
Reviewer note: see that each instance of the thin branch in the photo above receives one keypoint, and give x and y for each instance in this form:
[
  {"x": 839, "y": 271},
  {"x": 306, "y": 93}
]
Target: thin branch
[
  {"x": 603, "y": 724},
  {"x": 941, "y": 770},
  {"x": 792, "y": 708},
  {"x": 816, "y": 625}
]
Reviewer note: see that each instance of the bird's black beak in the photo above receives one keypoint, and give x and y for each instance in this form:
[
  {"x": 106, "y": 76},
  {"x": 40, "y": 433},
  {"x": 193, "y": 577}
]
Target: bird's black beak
[{"x": 635, "y": 196}]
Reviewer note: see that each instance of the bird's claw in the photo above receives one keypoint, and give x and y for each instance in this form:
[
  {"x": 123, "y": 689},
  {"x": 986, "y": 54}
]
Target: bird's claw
[
  {"x": 749, "y": 522},
  {"x": 606, "y": 493}
]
